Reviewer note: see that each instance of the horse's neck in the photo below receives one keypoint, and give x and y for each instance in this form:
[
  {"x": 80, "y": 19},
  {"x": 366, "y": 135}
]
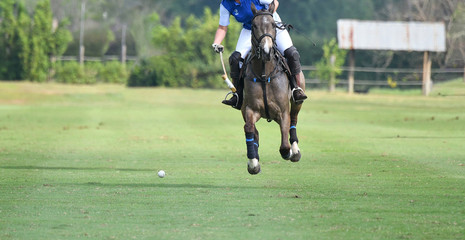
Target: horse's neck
[{"x": 261, "y": 67}]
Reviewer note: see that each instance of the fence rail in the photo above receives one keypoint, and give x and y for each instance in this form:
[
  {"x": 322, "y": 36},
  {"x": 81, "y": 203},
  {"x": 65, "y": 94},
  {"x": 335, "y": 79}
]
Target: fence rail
[
  {"x": 392, "y": 70},
  {"x": 366, "y": 84},
  {"x": 97, "y": 59}
]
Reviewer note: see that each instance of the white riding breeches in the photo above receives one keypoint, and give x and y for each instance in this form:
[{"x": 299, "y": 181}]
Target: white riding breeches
[{"x": 283, "y": 39}]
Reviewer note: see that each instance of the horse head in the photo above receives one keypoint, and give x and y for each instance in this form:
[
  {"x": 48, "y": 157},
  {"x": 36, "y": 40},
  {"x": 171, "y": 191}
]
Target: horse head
[{"x": 263, "y": 32}]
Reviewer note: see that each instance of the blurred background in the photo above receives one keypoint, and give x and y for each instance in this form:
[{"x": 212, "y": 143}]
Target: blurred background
[{"x": 168, "y": 42}]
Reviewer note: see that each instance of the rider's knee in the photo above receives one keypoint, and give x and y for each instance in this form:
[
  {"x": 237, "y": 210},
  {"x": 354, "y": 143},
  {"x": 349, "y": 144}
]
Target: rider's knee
[
  {"x": 234, "y": 62},
  {"x": 235, "y": 58},
  {"x": 293, "y": 59},
  {"x": 292, "y": 53}
]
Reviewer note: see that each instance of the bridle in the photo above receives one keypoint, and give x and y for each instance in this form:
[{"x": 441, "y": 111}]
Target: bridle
[
  {"x": 257, "y": 54},
  {"x": 256, "y": 41}
]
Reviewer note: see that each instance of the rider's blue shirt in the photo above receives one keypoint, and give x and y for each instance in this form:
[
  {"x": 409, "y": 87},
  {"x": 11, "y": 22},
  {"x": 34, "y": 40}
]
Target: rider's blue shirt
[{"x": 242, "y": 11}]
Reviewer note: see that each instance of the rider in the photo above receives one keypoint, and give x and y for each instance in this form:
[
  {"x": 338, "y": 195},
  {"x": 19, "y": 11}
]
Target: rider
[{"x": 241, "y": 10}]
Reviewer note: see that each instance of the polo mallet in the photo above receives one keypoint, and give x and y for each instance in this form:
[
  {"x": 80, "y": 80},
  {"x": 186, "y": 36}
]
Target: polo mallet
[{"x": 225, "y": 77}]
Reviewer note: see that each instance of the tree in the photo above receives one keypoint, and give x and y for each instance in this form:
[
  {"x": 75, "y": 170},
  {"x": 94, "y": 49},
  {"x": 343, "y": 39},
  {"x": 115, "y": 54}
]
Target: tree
[
  {"x": 29, "y": 45},
  {"x": 329, "y": 67},
  {"x": 41, "y": 42},
  {"x": 456, "y": 37},
  {"x": 185, "y": 57},
  {"x": 14, "y": 42}
]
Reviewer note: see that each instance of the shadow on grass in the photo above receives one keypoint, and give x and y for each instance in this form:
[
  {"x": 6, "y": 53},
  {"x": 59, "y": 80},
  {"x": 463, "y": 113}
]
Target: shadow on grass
[
  {"x": 188, "y": 185},
  {"x": 420, "y": 137},
  {"x": 77, "y": 168},
  {"x": 163, "y": 185}
]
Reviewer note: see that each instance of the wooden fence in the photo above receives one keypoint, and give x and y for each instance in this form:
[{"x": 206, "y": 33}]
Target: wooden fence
[{"x": 365, "y": 85}]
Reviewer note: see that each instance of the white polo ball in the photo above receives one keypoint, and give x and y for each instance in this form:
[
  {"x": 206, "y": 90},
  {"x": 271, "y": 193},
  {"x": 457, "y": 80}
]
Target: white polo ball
[{"x": 161, "y": 173}]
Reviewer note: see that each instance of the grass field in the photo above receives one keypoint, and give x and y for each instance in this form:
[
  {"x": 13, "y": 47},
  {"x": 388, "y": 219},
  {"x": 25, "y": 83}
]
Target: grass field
[{"x": 81, "y": 162}]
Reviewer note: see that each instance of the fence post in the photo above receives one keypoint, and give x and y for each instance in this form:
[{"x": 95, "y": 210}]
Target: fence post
[
  {"x": 426, "y": 74},
  {"x": 351, "y": 71}
]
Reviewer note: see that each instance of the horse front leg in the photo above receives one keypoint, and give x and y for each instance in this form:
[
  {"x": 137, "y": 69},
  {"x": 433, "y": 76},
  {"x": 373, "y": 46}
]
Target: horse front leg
[{"x": 251, "y": 140}]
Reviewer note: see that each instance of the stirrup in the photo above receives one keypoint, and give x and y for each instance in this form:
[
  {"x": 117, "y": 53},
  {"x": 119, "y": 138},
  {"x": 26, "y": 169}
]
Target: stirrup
[
  {"x": 234, "y": 94},
  {"x": 292, "y": 95}
]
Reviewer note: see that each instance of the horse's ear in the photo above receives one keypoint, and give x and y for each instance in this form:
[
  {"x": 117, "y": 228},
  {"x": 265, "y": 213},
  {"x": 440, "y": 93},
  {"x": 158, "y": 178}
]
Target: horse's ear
[
  {"x": 271, "y": 7},
  {"x": 254, "y": 9}
]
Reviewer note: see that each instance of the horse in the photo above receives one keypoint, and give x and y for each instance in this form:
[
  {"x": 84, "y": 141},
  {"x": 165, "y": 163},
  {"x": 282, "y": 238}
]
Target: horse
[{"x": 267, "y": 93}]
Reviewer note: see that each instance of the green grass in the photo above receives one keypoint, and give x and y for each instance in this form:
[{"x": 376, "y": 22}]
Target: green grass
[{"x": 79, "y": 162}]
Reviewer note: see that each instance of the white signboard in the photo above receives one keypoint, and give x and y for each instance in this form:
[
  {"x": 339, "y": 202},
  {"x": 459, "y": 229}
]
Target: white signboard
[{"x": 397, "y": 36}]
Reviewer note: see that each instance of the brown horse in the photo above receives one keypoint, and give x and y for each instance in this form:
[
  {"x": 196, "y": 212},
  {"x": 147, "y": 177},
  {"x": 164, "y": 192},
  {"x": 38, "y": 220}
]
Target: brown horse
[{"x": 266, "y": 91}]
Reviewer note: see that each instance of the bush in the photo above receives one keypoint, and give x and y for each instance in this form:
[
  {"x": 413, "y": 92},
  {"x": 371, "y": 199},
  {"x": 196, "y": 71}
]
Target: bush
[
  {"x": 69, "y": 72},
  {"x": 113, "y": 72},
  {"x": 143, "y": 75},
  {"x": 92, "y": 72}
]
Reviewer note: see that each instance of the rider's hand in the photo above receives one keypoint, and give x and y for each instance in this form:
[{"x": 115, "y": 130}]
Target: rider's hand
[{"x": 218, "y": 47}]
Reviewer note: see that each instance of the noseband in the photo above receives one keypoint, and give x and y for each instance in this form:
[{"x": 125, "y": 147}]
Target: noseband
[{"x": 256, "y": 41}]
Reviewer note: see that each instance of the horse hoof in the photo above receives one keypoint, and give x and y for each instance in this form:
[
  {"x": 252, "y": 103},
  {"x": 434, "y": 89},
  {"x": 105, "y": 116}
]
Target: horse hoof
[
  {"x": 295, "y": 152},
  {"x": 253, "y": 166},
  {"x": 296, "y": 157},
  {"x": 285, "y": 154}
]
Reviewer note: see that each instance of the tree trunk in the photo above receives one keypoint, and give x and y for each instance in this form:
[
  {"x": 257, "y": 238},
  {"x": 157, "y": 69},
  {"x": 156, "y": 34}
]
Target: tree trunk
[
  {"x": 332, "y": 78},
  {"x": 332, "y": 83}
]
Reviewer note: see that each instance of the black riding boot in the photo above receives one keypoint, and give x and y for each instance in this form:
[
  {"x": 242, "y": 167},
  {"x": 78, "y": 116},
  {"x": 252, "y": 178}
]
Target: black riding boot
[
  {"x": 236, "y": 100},
  {"x": 298, "y": 93},
  {"x": 293, "y": 60}
]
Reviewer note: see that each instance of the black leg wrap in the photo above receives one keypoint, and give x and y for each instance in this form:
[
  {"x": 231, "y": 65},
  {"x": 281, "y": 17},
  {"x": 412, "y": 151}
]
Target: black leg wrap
[
  {"x": 255, "y": 144},
  {"x": 250, "y": 141},
  {"x": 293, "y": 135}
]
